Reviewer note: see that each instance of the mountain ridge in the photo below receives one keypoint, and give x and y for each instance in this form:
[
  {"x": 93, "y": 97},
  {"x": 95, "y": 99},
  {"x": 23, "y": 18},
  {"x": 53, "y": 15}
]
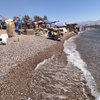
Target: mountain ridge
[{"x": 96, "y": 22}]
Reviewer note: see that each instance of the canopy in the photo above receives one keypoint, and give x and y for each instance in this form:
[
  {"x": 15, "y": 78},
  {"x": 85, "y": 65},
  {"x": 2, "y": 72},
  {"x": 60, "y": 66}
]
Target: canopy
[
  {"x": 47, "y": 21},
  {"x": 9, "y": 20},
  {"x": 59, "y": 24},
  {"x": 40, "y": 21},
  {"x": 53, "y": 25},
  {"x": 2, "y": 18}
]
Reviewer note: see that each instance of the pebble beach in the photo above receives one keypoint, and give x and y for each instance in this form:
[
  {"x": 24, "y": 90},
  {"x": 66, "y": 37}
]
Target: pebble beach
[{"x": 20, "y": 79}]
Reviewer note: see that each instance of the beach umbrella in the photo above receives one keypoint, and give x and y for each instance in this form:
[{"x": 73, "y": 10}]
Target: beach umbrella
[
  {"x": 47, "y": 21},
  {"x": 2, "y": 19},
  {"x": 60, "y": 24},
  {"x": 9, "y": 20},
  {"x": 53, "y": 25},
  {"x": 40, "y": 21}
]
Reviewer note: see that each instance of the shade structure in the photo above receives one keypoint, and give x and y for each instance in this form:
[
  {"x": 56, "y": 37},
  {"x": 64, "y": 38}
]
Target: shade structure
[
  {"x": 47, "y": 21},
  {"x": 53, "y": 25},
  {"x": 60, "y": 24},
  {"x": 40, "y": 21},
  {"x": 9, "y": 20},
  {"x": 2, "y": 19}
]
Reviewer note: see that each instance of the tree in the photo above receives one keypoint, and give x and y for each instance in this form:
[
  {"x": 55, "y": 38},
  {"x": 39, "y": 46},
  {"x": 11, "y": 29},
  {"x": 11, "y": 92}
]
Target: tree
[
  {"x": 45, "y": 18},
  {"x": 16, "y": 18},
  {"x": 26, "y": 19},
  {"x": 37, "y": 18}
]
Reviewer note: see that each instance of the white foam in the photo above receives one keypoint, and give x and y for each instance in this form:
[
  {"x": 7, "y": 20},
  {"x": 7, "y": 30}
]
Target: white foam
[
  {"x": 43, "y": 62},
  {"x": 75, "y": 58}
]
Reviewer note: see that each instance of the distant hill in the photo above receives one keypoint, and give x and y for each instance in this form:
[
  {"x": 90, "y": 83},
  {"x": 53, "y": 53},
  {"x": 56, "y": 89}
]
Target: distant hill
[{"x": 88, "y": 23}]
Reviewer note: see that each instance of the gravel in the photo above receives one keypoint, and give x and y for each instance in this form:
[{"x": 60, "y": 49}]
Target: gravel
[
  {"x": 19, "y": 49},
  {"x": 18, "y": 60}
]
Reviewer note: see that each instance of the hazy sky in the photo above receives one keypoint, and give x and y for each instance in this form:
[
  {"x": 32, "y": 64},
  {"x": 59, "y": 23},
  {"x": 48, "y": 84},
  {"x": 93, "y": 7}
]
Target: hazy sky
[{"x": 62, "y": 10}]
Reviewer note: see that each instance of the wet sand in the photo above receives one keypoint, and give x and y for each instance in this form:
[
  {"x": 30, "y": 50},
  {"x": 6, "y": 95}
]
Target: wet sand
[{"x": 55, "y": 80}]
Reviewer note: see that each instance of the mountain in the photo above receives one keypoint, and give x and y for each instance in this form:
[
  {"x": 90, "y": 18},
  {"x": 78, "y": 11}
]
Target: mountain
[{"x": 97, "y": 22}]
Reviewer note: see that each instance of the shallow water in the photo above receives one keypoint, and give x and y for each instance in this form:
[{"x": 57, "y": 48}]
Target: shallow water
[
  {"x": 55, "y": 79},
  {"x": 84, "y": 53},
  {"x": 88, "y": 44}
]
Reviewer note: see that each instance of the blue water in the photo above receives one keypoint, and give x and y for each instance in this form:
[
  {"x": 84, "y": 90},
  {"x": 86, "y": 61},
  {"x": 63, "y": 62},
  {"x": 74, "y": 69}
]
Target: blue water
[
  {"x": 88, "y": 44},
  {"x": 84, "y": 52}
]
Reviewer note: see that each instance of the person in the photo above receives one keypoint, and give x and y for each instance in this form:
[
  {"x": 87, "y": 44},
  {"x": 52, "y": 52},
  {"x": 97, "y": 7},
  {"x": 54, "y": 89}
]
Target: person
[
  {"x": 5, "y": 25},
  {"x": 47, "y": 25},
  {"x": 60, "y": 33},
  {"x": 50, "y": 33},
  {"x": 55, "y": 35}
]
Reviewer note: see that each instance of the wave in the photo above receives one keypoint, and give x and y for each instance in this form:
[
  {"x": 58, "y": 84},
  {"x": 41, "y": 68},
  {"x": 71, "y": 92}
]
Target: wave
[
  {"x": 74, "y": 57},
  {"x": 39, "y": 66}
]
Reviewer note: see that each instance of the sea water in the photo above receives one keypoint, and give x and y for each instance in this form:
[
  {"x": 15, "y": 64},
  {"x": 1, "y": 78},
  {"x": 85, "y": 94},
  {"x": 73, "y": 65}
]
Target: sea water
[
  {"x": 52, "y": 78},
  {"x": 83, "y": 51}
]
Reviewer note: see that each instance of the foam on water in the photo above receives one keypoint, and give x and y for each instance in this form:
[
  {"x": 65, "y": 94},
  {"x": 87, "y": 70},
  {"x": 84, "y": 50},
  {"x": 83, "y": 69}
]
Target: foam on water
[
  {"x": 43, "y": 62},
  {"x": 74, "y": 57}
]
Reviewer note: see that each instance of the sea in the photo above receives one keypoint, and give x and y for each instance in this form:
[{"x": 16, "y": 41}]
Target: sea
[
  {"x": 83, "y": 54},
  {"x": 83, "y": 51}
]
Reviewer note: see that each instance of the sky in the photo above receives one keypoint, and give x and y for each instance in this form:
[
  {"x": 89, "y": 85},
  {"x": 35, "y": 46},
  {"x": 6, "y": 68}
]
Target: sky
[{"x": 63, "y": 10}]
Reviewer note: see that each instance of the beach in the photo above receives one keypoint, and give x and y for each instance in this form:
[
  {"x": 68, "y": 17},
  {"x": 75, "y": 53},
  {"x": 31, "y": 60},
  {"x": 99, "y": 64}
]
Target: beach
[{"x": 36, "y": 68}]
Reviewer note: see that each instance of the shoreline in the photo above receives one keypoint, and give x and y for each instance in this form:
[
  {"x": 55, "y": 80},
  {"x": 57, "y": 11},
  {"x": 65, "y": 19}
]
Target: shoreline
[
  {"x": 87, "y": 56},
  {"x": 16, "y": 83}
]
